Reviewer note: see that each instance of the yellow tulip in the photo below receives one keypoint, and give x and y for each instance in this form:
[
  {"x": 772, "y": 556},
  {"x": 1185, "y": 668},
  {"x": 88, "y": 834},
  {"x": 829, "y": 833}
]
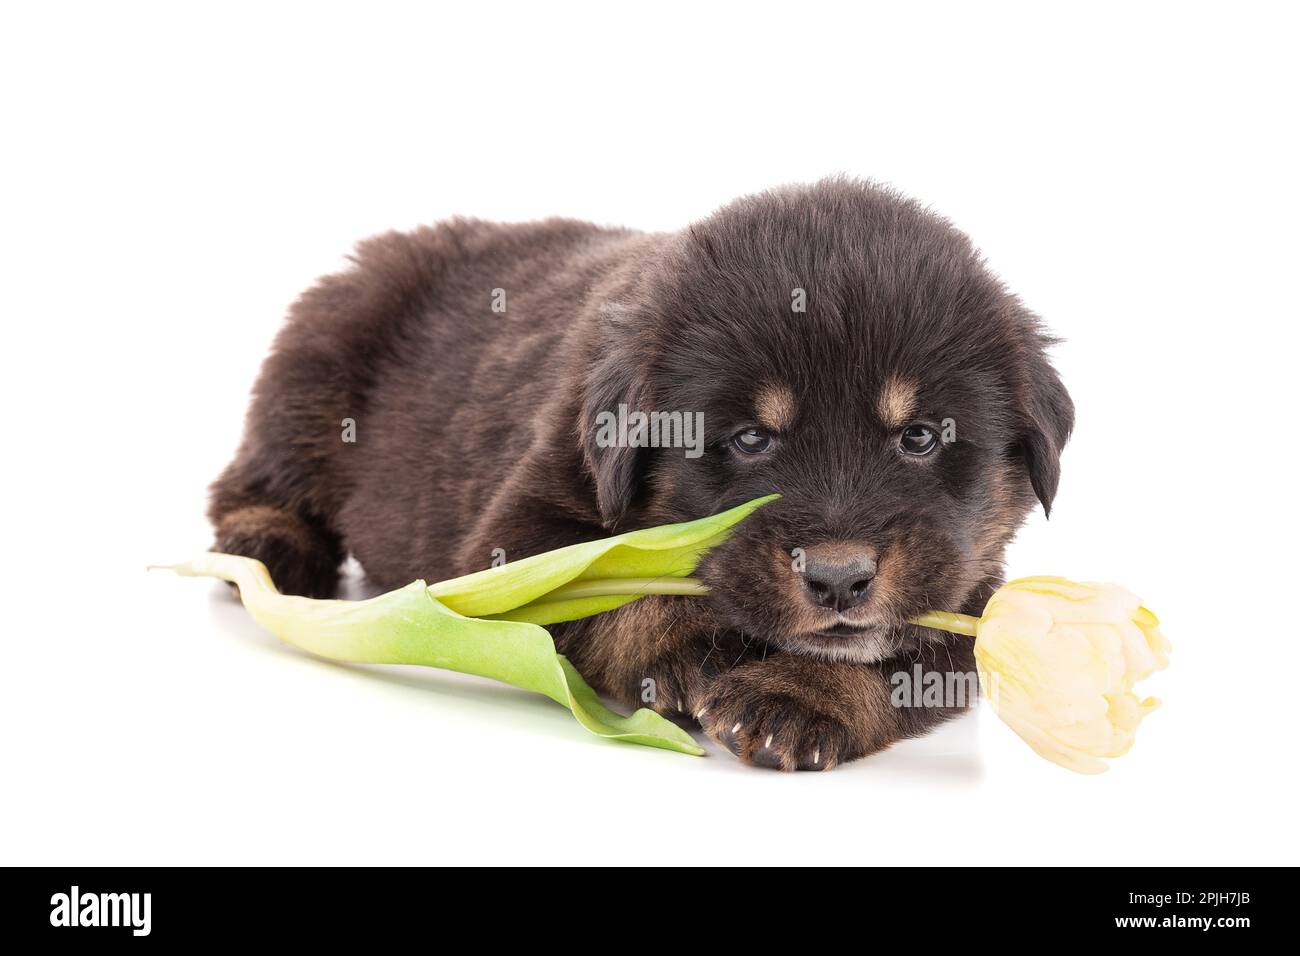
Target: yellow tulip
[{"x": 1058, "y": 660}]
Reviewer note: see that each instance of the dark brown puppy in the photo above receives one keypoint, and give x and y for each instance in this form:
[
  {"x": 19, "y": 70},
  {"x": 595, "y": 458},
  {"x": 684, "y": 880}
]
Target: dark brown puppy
[{"x": 449, "y": 398}]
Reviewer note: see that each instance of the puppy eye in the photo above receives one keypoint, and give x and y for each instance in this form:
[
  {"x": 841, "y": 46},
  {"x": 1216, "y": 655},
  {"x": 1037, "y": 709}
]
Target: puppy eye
[
  {"x": 917, "y": 440},
  {"x": 753, "y": 441}
]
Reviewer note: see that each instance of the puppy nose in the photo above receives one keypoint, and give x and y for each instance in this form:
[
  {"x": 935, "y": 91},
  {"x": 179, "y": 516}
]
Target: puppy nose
[{"x": 838, "y": 576}]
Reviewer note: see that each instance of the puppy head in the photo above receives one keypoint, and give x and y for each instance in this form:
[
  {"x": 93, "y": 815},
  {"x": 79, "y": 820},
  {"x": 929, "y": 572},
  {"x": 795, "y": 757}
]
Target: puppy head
[{"x": 849, "y": 351}]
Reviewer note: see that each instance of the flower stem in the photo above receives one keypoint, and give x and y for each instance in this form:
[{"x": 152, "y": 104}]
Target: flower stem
[
  {"x": 601, "y": 587},
  {"x": 948, "y": 621}
]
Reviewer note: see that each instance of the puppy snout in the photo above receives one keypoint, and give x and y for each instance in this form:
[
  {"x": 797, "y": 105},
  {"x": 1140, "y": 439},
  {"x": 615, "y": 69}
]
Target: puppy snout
[{"x": 838, "y": 576}]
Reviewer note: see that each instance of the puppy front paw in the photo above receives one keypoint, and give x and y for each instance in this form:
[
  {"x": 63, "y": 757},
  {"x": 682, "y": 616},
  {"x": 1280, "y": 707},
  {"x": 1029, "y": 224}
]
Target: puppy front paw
[
  {"x": 676, "y": 683},
  {"x": 764, "y": 723}
]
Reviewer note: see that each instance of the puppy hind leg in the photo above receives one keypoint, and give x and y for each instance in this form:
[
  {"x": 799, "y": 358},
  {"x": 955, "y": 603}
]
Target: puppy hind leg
[{"x": 302, "y": 555}]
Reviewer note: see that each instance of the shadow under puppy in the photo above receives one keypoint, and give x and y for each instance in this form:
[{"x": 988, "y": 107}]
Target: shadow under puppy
[{"x": 456, "y": 394}]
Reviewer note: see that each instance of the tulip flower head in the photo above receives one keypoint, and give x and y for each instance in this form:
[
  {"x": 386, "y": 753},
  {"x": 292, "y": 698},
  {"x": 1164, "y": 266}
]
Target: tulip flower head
[{"x": 1058, "y": 660}]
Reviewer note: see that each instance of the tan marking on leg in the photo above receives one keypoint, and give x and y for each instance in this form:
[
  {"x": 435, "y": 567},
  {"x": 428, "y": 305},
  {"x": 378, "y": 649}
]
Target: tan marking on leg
[{"x": 265, "y": 521}]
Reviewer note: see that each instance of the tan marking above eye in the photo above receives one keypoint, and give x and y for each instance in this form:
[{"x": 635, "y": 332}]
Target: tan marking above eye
[
  {"x": 774, "y": 406},
  {"x": 897, "y": 402}
]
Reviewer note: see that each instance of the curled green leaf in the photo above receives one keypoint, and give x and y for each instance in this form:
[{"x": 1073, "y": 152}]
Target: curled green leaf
[
  {"x": 487, "y": 623},
  {"x": 409, "y": 626},
  {"x": 515, "y": 591}
]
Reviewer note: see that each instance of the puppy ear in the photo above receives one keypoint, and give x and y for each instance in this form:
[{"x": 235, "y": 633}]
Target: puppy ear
[
  {"x": 616, "y": 377},
  {"x": 1047, "y": 420}
]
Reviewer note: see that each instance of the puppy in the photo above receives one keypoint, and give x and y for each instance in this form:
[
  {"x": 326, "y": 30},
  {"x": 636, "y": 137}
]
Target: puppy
[{"x": 450, "y": 398}]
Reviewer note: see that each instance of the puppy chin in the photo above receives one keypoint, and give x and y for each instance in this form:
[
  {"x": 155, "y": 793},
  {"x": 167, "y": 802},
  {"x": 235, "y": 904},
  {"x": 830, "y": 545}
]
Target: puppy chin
[{"x": 864, "y": 646}]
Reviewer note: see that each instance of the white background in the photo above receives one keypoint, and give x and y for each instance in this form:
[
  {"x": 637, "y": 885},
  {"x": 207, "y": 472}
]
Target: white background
[{"x": 172, "y": 179}]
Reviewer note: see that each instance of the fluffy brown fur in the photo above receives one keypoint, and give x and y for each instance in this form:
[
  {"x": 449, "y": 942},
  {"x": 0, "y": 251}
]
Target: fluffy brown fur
[{"x": 476, "y": 430}]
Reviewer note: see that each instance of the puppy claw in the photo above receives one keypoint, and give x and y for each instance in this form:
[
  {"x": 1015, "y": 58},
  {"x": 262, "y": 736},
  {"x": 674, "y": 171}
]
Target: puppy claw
[
  {"x": 731, "y": 740},
  {"x": 766, "y": 757},
  {"x": 814, "y": 764}
]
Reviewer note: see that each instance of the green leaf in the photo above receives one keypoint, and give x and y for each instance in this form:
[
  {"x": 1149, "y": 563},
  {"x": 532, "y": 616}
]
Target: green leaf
[
  {"x": 409, "y": 626},
  {"x": 431, "y": 625},
  {"x": 667, "y": 551}
]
